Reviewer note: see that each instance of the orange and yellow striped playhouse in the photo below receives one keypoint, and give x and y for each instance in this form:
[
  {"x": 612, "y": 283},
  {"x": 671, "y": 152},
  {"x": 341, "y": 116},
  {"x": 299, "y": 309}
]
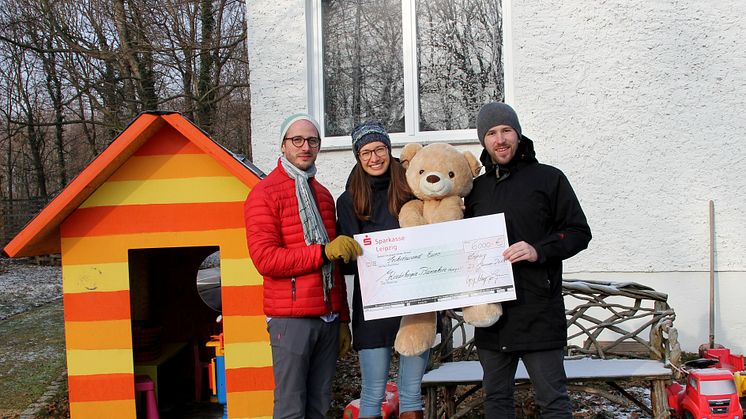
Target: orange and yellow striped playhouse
[{"x": 132, "y": 230}]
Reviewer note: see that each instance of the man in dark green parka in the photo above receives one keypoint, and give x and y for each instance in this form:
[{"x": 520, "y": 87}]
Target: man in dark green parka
[{"x": 545, "y": 225}]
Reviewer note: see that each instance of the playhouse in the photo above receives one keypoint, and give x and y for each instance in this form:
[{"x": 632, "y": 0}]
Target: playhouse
[{"x": 132, "y": 230}]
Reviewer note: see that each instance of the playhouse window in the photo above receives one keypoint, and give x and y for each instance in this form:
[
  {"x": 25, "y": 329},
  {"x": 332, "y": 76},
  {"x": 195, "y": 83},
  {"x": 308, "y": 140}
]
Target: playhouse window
[{"x": 422, "y": 67}]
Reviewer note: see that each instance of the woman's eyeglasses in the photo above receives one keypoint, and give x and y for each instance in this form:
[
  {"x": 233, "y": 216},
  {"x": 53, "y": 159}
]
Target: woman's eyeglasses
[
  {"x": 381, "y": 151},
  {"x": 313, "y": 142}
]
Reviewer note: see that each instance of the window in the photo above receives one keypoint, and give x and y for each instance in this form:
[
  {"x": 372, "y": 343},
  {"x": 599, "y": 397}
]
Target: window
[
  {"x": 718, "y": 387},
  {"x": 422, "y": 67}
]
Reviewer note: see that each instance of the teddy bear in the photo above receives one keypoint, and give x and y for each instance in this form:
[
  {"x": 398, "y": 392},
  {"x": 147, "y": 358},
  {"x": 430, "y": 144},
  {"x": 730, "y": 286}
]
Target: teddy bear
[{"x": 440, "y": 176}]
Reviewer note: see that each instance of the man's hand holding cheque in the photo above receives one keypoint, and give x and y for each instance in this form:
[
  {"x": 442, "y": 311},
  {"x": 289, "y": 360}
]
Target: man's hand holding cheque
[{"x": 520, "y": 251}]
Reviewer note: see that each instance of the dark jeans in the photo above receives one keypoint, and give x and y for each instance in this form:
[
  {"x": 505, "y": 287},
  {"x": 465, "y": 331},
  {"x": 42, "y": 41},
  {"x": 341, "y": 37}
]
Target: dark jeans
[
  {"x": 304, "y": 359},
  {"x": 546, "y": 371}
]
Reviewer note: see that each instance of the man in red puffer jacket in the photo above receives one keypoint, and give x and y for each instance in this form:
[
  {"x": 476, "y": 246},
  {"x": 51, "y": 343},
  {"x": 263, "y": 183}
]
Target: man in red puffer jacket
[{"x": 290, "y": 231}]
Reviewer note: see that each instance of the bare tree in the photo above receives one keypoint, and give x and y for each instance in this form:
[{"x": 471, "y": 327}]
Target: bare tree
[{"x": 74, "y": 73}]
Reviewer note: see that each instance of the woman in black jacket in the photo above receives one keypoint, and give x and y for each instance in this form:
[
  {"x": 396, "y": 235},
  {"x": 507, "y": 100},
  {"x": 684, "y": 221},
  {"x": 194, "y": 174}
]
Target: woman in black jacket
[{"x": 376, "y": 190}]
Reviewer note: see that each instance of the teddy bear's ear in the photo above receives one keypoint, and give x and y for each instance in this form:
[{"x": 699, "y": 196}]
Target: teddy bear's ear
[
  {"x": 408, "y": 152},
  {"x": 474, "y": 164}
]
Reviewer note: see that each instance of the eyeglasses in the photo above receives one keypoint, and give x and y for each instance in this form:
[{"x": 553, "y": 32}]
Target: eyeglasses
[
  {"x": 313, "y": 142},
  {"x": 381, "y": 151}
]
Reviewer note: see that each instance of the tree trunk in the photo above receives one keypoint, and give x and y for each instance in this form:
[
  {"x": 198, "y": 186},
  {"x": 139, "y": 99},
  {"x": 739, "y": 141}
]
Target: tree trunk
[
  {"x": 54, "y": 87},
  {"x": 205, "y": 85},
  {"x": 141, "y": 67},
  {"x": 34, "y": 143}
]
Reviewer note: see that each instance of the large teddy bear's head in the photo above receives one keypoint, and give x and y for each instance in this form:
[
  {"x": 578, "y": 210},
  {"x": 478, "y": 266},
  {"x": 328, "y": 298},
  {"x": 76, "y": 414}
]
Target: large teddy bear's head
[{"x": 439, "y": 170}]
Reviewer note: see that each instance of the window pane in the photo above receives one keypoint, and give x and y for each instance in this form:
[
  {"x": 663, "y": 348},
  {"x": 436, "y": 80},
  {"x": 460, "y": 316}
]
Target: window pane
[
  {"x": 459, "y": 55},
  {"x": 363, "y": 69},
  {"x": 717, "y": 388}
]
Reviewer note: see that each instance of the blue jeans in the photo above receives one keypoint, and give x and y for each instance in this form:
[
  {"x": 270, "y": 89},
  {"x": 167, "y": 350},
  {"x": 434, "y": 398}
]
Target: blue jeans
[{"x": 374, "y": 368}]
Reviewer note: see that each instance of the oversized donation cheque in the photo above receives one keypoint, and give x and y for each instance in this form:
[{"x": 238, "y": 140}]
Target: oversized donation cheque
[{"x": 434, "y": 267}]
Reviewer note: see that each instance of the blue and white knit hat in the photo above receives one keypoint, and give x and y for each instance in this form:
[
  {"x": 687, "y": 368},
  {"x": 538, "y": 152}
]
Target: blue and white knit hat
[{"x": 369, "y": 132}]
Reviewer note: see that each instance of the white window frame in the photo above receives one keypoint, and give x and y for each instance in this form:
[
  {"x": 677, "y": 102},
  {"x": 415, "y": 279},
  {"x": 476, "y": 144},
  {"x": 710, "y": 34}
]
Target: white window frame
[{"x": 411, "y": 132}]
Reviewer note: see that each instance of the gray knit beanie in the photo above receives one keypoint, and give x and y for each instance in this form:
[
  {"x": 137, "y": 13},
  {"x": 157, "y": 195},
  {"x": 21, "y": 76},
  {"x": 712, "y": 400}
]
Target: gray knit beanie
[
  {"x": 493, "y": 114},
  {"x": 369, "y": 132}
]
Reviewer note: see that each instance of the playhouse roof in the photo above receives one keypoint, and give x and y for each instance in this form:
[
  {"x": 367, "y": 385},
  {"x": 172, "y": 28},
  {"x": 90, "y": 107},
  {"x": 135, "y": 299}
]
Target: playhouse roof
[{"x": 42, "y": 234}]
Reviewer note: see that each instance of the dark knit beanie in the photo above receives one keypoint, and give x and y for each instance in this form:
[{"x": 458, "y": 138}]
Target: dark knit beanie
[
  {"x": 493, "y": 114},
  {"x": 369, "y": 132}
]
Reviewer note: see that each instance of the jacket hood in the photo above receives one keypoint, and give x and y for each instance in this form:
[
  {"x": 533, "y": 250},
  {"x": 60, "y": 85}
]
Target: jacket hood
[{"x": 523, "y": 156}]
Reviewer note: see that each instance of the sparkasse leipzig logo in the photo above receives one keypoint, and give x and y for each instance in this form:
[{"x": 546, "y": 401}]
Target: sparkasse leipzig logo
[{"x": 367, "y": 241}]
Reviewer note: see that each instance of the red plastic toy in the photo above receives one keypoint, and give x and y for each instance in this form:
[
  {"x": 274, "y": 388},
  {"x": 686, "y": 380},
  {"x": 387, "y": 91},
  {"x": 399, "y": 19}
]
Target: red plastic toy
[
  {"x": 389, "y": 407},
  {"x": 708, "y": 393},
  {"x": 726, "y": 360}
]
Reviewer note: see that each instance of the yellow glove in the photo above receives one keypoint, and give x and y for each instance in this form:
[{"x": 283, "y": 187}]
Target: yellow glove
[
  {"x": 343, "y": 247},
  {"x": 345, "y": 340}
]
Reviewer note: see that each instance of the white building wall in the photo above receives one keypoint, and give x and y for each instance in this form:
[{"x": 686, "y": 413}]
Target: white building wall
[{"x": 640, "y": 103}]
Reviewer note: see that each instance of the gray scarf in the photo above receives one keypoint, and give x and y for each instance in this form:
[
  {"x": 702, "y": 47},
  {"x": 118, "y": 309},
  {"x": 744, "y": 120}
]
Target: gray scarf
[{"x": 313, "y": 226}]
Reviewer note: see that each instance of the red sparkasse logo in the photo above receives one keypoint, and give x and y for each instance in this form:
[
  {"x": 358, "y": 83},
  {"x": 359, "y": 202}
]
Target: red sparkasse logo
[{"x": 367, "y": 241}]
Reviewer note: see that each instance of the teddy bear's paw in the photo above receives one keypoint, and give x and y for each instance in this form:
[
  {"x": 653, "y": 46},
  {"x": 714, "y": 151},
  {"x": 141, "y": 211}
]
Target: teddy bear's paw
[
  {"x": 416, "y": 334},
  {"x": 412, "y": 345},
  {"x": 410, "y": 214},
  {"x": 483, "y": 315},
  {"x": 411, "y": 220}
]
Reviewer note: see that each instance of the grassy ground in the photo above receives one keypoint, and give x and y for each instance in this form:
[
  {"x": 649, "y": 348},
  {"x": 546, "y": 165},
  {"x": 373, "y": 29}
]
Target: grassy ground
[{"x": 32, "y": 355}]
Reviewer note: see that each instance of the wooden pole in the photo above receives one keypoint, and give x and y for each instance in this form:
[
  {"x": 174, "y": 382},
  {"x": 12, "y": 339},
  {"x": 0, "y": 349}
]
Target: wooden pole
[{"x": 712, "y": 275}]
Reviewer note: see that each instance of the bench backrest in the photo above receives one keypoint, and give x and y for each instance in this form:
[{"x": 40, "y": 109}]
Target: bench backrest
[{"x": 604, "y": 320}]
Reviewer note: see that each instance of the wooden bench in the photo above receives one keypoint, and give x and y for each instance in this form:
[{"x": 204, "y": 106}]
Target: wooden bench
[{"x": 616, "y": 332}]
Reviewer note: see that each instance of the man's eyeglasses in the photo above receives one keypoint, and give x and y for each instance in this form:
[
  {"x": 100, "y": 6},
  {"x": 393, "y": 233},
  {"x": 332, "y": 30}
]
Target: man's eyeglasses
[
  {"x": 381, "y": 151},
  {"x": 313, "y": 142}
]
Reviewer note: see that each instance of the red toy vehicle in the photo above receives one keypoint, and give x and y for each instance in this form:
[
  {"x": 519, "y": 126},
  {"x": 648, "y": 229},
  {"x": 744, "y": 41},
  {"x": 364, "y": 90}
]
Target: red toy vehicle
[
  {"x": 389, "y": 407},
  {"x": 709, "y": 393},
  {"x": 725, "y": 359}
]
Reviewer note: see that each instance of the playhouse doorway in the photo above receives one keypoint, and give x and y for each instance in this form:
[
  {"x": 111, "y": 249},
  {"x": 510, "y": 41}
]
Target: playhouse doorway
[{"x": 171, "y": 324}]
